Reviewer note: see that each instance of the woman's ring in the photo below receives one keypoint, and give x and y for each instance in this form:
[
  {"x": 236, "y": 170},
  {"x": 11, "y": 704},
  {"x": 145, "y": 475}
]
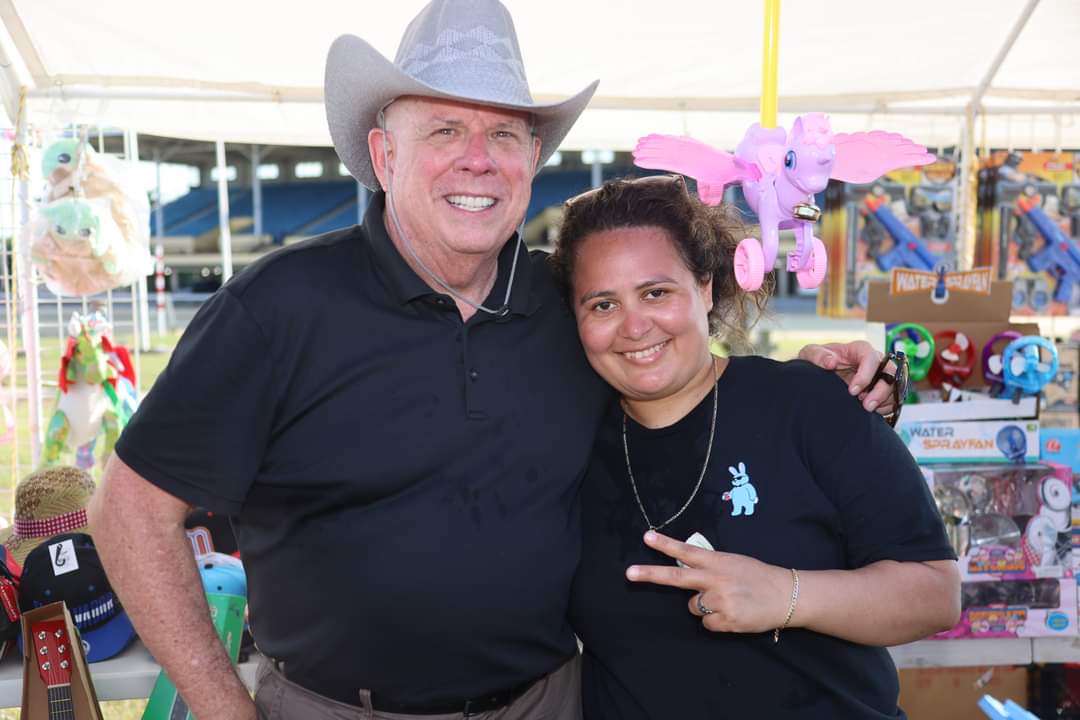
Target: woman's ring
[{"x": 701, "y": 606}]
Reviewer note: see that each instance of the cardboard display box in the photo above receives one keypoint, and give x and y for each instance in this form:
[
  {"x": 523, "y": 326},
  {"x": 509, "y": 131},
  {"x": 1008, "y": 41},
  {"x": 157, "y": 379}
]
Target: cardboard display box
[
  {"x": 953, "y": 693},
  {"x": 35, "y": 695},
  {"x": 975, "y": 441},
  {"x": 979, "y": 310}
]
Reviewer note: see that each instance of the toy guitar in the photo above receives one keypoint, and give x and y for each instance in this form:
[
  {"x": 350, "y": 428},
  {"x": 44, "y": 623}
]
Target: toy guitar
[
  {"x": 52, "y": 654},
  {"x": 780, "y": 173}
]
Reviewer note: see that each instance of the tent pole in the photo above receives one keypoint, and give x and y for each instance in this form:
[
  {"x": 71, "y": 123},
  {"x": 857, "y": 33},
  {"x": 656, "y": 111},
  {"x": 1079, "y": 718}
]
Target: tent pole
[
  {"x": 1002, "y": 53},
  {"x": 223, "y": 214},
  {"x": 28, "y": 306},
  {"x": 132, "y": 137},
  {"x": 968, "y": 177},
  {"x": 159, "y": 249},
  {"x": 256, "y": 192}
]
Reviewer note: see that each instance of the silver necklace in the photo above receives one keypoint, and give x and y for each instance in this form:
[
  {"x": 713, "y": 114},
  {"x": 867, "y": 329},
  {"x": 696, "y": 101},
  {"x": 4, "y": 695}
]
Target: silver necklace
[
  {"x": 499, "y": 312},
  {"x": 704, "y": 467}
]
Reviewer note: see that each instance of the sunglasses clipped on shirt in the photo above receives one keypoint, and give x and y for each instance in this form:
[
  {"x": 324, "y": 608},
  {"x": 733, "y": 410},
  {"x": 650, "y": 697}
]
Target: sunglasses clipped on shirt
[{"x": 899, "y": 379}]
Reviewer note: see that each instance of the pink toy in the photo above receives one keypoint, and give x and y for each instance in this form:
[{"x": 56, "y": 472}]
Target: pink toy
[{"x": 780, "y": 174}]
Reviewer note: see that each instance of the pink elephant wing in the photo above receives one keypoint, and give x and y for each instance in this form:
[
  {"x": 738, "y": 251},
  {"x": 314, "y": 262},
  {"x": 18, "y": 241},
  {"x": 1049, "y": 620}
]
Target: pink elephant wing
[
  {"x": 688, "y": 156},
  {"x": 865, "y": 156}
]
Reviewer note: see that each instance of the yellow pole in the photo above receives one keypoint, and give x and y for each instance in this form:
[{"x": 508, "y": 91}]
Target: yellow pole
[{"x": 770, "y": 49}]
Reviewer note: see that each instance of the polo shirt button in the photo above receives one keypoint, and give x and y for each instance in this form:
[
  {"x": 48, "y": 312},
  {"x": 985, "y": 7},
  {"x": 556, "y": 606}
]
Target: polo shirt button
[{"x": 473, "y": 375}]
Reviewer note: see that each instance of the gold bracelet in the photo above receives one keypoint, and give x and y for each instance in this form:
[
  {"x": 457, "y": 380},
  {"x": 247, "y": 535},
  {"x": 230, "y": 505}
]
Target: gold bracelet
[{"x": 791, "y": 608}]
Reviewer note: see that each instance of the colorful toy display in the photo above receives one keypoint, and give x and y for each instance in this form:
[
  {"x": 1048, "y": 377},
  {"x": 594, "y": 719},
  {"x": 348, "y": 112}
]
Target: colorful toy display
[
  {"x": 780, "y": 173},
  {"x": 1011, "y": 527},
  {"x": 96, "y": 395},
  {"x": 1029, "y": 225},
  {"x": 1059, "y": 256},
  {"x": 92, "y": 233},
  {"x": 902, "y": 220},
  {"x": 908, "y": 248}
]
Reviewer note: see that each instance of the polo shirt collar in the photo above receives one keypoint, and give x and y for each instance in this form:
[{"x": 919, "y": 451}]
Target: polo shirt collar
[{"x": 406, "y": 286}]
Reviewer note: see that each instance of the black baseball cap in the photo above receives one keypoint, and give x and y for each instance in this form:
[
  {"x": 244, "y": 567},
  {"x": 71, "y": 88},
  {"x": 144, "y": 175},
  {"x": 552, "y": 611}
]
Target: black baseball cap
[{"x": 67, "y": 567}]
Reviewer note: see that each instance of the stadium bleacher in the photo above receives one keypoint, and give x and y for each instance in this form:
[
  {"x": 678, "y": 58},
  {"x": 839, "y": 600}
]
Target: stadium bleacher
[{"x": 311, "y": 208}]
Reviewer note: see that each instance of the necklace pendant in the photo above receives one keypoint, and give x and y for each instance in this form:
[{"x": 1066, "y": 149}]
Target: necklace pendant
[{"x": 697, "y": 540}]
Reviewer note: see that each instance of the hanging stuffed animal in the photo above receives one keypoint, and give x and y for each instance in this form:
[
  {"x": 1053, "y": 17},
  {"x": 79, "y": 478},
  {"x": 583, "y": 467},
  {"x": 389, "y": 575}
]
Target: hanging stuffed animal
[
  {"x": 97, "y": 394},
  {"x": 92, "y": 234},
  {"x": 780, "y": 173},
  {"x": 74, "y": 169},
  {"x": 78, "y": 249}
]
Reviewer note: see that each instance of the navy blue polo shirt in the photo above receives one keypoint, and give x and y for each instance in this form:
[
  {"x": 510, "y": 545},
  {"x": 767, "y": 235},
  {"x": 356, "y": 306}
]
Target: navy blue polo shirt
[{"x": 404, "y": 485}]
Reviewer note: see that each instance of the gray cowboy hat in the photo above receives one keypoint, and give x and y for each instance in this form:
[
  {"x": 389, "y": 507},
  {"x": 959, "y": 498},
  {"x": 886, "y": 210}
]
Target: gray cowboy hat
[{"x": 463, "y": 50}]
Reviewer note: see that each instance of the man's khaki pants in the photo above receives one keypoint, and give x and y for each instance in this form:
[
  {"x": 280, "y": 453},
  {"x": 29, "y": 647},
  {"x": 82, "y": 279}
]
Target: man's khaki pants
[{"x": 555, "y": 697}]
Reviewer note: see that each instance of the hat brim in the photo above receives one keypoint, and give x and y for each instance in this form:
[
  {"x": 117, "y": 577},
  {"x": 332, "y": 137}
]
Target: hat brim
[
  {"x": 105, "y": 641},
  {"x": 20, "y": 547},
  {"x": 360, "y": 82}
]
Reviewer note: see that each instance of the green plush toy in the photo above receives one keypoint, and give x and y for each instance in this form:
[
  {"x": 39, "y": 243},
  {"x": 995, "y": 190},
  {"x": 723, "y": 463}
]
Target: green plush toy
[
  {"x": 74, "y": 224},
  {"x": 61, "y": 154}
]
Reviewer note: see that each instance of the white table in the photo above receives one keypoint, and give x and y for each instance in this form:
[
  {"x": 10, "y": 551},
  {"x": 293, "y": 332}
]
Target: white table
[
  {"x": 988, "y": 651},
  {"x": 131, "y": 674}
]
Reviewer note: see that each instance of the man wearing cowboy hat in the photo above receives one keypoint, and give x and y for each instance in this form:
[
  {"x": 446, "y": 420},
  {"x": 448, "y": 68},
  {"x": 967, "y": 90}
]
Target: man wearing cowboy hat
[{"x": 404, "y": 492}]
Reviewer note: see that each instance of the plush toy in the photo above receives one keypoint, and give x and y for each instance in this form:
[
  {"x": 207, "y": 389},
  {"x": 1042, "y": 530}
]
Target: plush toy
[
  {"x": 78, "y": 249},
  {"x": 97, "y": 394},
  {"x": 93, "y": 233},
  {"x": 71, "y": 173}
]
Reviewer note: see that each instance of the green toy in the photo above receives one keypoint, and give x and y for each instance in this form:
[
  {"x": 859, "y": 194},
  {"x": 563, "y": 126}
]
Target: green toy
[
  {"x": 75, "y": 224},
  {"x": 61, "y": 154},
  {"x": 97, "y": 394},
  {"x": 227, "y": 613}
]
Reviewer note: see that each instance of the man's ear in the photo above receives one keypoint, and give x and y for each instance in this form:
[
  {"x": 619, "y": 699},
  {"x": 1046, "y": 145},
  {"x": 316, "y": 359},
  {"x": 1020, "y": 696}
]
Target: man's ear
[{"x": 379, "y": 153}]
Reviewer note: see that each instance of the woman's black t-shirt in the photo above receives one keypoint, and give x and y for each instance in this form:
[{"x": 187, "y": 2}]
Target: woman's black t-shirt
[{"x": 830, "y": 487}]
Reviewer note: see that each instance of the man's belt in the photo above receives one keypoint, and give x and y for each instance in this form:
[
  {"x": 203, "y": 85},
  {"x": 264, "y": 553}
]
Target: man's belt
[
  {"x": 474, "y": 706},
  {"x": 386, "y": 703}
]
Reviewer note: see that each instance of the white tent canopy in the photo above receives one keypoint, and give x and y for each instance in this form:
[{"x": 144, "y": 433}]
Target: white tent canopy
[{"x": 252, "y": 72}]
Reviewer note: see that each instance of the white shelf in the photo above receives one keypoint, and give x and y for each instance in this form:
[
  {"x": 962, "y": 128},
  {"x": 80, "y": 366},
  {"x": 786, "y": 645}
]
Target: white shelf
[
  {"x": 965, "y": 653},
  {"x": 131, "y": 674},
  {"x": 1056, "y": 650}
]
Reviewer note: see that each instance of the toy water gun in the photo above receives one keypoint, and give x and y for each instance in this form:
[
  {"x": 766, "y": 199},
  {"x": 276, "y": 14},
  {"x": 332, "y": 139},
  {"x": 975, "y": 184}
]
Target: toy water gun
[
  {"x": 909, "y": 251},
  {"x": 1008, "y": 710},
  {"x": 1060, "y": 256}
]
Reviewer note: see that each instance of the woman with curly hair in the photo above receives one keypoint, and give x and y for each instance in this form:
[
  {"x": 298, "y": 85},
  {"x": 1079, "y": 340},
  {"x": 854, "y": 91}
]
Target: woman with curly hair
[{"x": 752, "y": 538}]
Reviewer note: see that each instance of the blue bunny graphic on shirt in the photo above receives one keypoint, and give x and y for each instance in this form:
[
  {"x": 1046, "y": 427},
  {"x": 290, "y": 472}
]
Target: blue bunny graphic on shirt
[{"x": 742, "y": 495}]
